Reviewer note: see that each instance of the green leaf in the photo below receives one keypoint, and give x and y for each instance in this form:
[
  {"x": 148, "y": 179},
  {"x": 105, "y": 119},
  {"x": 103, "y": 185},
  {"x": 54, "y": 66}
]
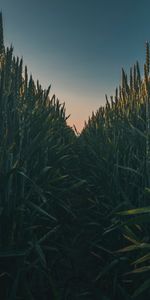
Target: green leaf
[
  {"x": 138, "y": 131},
  {"x": 12, "y": 253},
  {"x": 142, "y": 259},
  {"x": 134, "y": 247},
  {"x": 129, "y": 169},
  {"x": 141, "y": 210},
  {"x": 41, "y": 211},
  {"x": 107, "y": 269},
  {"x": 140, "y": 270},
  {"x": 143, "y": 287},
  {"x": 40, "y": 254},
  {"x": 46, "y": 236}
]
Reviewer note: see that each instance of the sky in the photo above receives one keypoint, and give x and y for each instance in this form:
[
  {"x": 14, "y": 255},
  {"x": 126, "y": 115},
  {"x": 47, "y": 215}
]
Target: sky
[{"x": 78, "y": 46}]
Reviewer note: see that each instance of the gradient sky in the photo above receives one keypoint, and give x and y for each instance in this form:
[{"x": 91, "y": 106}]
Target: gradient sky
[{"x": 78, "y": 46}]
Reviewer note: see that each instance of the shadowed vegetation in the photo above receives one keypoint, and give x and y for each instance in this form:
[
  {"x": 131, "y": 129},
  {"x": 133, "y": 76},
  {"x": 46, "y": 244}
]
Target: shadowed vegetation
[{"x": 74, "y": 210}]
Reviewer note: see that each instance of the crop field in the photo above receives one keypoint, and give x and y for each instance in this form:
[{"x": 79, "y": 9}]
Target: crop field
[{"x": 74, "y": 209}]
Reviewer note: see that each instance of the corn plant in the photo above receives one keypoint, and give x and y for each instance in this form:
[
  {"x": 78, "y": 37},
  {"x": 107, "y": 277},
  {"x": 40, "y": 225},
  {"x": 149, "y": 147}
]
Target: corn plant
[
  {"x": 36, "y": 180},
  {"x": 134, "y": 225},
  {"x": 114, "y": 147}
]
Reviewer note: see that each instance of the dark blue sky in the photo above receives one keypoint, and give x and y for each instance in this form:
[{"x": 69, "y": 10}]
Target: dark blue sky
[{"x": 78, "y": 46}]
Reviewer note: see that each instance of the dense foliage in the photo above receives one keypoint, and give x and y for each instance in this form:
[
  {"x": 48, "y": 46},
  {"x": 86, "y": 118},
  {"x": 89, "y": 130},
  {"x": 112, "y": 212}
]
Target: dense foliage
[{"x": 74, "y": 210}]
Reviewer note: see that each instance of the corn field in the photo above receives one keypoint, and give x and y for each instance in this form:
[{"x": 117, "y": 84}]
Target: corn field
[{"x": 74, "y": 210}]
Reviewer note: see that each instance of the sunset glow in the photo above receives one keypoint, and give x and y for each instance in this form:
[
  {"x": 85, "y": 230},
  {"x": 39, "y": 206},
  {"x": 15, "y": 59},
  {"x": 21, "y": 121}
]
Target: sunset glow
[{"x": 72, "y": 45}]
